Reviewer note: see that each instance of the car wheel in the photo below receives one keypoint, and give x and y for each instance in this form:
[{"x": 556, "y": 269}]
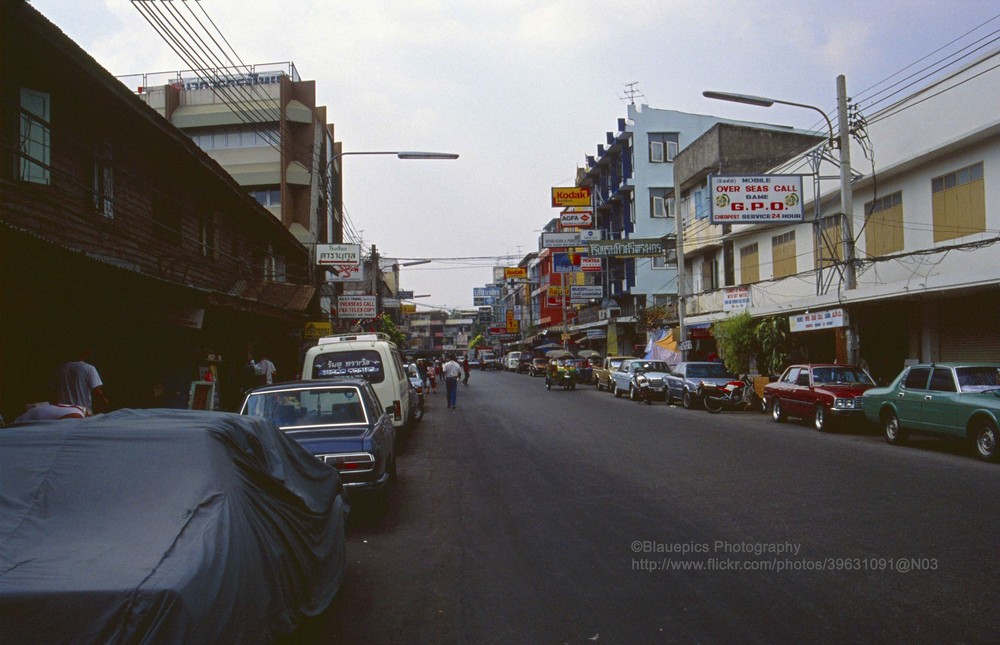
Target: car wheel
[
  {"x": 599, "y": 388},
  {"x": 776, "y": 412},
  {"x": 820, "y": 421},
  {"x": 548, "y": 383},
  {"x": 894, "y": 433},
  {"x": 984, "y": 433},
  {"x": 686, "y": 400},
  {"x": 616, "y": 391},
  {"x": 632, "y": 394}
]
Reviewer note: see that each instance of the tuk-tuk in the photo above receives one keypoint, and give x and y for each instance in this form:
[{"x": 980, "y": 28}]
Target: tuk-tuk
[{"x": 562, "y": 372}]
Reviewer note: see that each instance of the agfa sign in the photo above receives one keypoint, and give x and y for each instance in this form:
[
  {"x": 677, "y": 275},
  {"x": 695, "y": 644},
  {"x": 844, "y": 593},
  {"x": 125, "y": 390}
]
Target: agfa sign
[{"x": 577, "y": 218}]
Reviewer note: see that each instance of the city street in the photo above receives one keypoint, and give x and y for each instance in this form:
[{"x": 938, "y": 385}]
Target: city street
[{"x": 534, "y": 516}]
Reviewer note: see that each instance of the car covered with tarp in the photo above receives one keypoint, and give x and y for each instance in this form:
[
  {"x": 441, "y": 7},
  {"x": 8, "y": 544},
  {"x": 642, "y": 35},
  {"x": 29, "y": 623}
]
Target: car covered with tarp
[{"x": 163, "y": 526}]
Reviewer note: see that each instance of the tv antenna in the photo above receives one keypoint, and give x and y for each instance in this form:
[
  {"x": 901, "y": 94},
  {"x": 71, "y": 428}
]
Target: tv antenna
[{"x": 631, "y": 92}]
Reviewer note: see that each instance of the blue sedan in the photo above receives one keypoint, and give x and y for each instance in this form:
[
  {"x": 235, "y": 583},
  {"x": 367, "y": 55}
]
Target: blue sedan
[
  {"x": 940, "y": 399},
  {"x": 339, "y": 421}
]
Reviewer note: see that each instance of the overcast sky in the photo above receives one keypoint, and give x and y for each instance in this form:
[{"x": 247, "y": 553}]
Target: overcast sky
[{"x": 523, "y": 90}]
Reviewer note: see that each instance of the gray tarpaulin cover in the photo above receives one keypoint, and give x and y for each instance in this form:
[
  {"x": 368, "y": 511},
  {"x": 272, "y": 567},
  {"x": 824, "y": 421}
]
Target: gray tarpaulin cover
[{"x": 163, "y": 526}]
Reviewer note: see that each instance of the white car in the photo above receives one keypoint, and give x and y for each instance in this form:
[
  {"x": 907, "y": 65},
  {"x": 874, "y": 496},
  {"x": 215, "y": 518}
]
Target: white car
[{"x": 623, "y": 378}]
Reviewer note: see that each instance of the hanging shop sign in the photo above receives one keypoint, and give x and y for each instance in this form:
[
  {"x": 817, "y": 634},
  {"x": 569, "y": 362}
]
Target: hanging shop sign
[
  {"x": 571, "y": 196},
  {"x": 515, "y": 273},
  {"x": 819, "y": 320},
  {"x": 341, "y": 261},
  {"x": 560, "y": 240},
  {"x": 591, "y": 234},
  {"x": 755, "y": 199},
  {"x": 566, "y": 262},
  {"x": 586, "y": 292},
  {"x": 591, "y": 265},
  {"x": 406, "y": 309},
  {"x": 356, "y": 307},
  {"x": 580, "y": 217}
]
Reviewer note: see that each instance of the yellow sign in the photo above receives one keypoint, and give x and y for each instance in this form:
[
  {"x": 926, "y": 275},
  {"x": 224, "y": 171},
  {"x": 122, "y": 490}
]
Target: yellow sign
[
  {"x": 513, "y": 325},
  {"x": 515, "y": 272},
  {"x": 572, "y": 196},
  {"x": 318, "y": 329},
  {"x": 407, "y": 309},
  {"x": 558, "y": 292}
]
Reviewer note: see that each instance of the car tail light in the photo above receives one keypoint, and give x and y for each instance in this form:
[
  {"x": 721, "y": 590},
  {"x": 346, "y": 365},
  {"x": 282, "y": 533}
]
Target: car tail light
[
  {"x": 397, "y": 409},
  {"x": 359, "y": 462}
]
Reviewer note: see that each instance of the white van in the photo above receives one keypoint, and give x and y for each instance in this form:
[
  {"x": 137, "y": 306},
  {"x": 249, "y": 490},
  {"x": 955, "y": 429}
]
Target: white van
[
  {"x": 510, "y": 361},
  {"x": 372, "y": 357}
]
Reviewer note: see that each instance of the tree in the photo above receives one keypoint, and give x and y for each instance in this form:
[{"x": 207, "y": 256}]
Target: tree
[
  {"x": 740, "y": 339},
  {"x": 388, "y": 327}
]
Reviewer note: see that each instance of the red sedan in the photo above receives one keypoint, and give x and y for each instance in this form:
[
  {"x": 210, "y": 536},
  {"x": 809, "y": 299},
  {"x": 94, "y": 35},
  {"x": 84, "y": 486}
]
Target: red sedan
[{"x": 821, "y": 392}]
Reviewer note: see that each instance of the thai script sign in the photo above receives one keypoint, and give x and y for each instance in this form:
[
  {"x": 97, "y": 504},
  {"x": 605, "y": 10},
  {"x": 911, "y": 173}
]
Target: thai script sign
[
  {"x": 586, "y": 292},
  {"x": 342, "y": 261},
  {"x": 755, "y": 199},
  {"x": 634, "y": 248}
]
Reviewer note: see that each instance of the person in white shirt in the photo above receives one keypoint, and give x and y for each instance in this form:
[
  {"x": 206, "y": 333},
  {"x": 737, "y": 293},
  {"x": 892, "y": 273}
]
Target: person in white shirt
[
  {"x": 78, "y": 383},
  {"x": 267, "y": 369},
  {"x": 452, "y": 372}
]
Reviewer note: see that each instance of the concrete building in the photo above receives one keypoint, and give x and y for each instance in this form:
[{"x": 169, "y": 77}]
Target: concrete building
[{"x": 925, "y": 220}]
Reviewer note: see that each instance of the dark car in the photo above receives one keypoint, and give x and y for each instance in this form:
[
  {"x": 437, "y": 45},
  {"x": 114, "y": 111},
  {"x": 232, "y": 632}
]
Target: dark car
[
  {"x": 822, "y": 392},
  {"x": 960, "y": 400},
  {"x": 524, "y": 363},
  {"x": 340, "y": 421},
  {"x": 538, "y": 367},
  {"x": 164, "y": 526},
  {"x": 684, "y": 381}
]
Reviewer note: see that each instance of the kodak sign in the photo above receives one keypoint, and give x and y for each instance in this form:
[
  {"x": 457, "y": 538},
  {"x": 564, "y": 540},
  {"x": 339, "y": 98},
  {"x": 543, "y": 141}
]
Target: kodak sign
[{"x": 572, "y": 196}]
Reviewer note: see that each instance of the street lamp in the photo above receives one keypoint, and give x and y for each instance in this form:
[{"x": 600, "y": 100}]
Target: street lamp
[
  {"x": 404, "y": 154},
  {"x": 844, "y": 148}
]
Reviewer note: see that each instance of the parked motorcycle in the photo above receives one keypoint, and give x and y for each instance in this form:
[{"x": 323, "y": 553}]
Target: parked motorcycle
[
  {"x": 641, "y": 389},
  {"x": 734, "y": 395}
]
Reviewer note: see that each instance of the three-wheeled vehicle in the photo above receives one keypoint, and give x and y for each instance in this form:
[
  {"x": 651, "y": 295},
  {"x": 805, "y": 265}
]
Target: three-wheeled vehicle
[{"x": 563, "y": 373}]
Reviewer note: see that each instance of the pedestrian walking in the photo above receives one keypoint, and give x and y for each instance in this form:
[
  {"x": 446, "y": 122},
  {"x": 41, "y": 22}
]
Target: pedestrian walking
[
  {"x": 452, "y": 372},
  {"x": 422, "y": 372},
  {"x": 266, "y": 369},
  {"x": 432, "y": 373},
  {"x": 466, "y": 369}
]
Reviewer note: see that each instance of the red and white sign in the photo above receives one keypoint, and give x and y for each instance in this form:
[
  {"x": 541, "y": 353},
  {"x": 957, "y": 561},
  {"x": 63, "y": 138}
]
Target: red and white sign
[
  {"x": 356, "y": 307},
  {"x": 581, "y": 218},
  {"x": 590, "y": 265},
  {"x": 759, "y": 199}
]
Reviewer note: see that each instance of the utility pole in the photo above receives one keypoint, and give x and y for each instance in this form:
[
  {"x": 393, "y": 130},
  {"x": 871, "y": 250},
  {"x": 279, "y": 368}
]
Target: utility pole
[
  {"x": 376, "y": 278},
  {"x": 846, "y": 188}
]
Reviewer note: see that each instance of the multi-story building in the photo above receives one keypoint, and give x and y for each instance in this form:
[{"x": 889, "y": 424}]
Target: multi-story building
[
  {"x": 924, "y": 222},
  {"x": 632, "y": 190},
  {"x": 149, "y": 253}
]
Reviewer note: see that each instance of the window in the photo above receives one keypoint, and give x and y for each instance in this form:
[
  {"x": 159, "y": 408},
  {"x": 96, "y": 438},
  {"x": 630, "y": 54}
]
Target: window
[
  {"x": 709, "y": 274},
  {"x": 267, "y": 196},
  {"x": 884, "y": 227},
  {"x": 701, "y": 205},
  {"x": 206, "y": 237},
  {"x": 661, "y": 203},
  {"x": 749, "y": 264},
  {"x": 941, "y": 380},
  {"x": 34, "y": 146},
  {"x": 104, "y": 184},
  {"x": 916, "y": 378},
  {"x": 662, "y": 146},
  {"x": 831, "y": 242},
  {"x": 783, "y": 262},
  {"x": 958, "y": 202},
  {"x": 274, "y": 267},
  {"x": 234, "y": 137}
]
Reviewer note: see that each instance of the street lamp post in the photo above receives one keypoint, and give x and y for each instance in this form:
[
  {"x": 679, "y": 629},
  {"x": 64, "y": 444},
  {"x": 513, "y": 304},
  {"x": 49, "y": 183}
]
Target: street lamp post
[{"x": 843, "y": 145}]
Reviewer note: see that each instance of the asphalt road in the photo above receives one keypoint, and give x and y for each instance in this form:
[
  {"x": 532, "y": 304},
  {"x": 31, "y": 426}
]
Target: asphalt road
[{"x": 534, "y": 516}]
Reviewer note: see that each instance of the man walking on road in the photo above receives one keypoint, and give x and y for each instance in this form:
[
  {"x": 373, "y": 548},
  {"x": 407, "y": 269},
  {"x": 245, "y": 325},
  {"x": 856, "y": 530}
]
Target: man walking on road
[{"x": 452, "y": 372}]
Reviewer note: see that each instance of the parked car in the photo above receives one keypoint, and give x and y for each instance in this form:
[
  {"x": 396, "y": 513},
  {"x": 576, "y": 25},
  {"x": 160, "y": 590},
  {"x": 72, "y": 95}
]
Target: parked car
[
  {"x": 341, "y": 422},
  {"x": 166, "y": 526},
  {"x": 524, "y": 363},
  {"x": 602, "y": 373},
  {"x": 586, "y": 367},
  {"x": 417, "y": 394},
  {"x": 824, "y": 393},
  {"x": 623, "y": 378},
  {"x": 539, "y": 365},
  {"x": 942, "y": 399},
  {"x": 684, "y": 382}
]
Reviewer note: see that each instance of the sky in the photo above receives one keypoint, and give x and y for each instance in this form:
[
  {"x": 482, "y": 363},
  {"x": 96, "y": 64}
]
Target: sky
[{"x": 523, "y": 90}]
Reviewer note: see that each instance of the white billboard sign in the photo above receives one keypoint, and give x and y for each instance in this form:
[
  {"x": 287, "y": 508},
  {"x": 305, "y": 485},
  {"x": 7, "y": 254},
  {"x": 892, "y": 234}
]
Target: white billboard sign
[
  {"x": 758, "y": 199},
  {"x": 560, "y": 240},
  {"x": 819, "y": 320},
  {"x": 342, "y": 261},
  {"x": 585, "y": 292},
  {"x": 579, "y": 218},
  {"x": 356, "y": 307},
  {"x": 590, "y": 265}
]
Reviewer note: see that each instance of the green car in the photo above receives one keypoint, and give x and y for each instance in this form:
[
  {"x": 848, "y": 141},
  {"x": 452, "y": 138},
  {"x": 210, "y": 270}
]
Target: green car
[{"x": 943, "y": 399}]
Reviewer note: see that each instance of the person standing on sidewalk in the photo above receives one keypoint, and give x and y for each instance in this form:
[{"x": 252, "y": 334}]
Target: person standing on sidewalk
[{"x": 452, "y": 372}]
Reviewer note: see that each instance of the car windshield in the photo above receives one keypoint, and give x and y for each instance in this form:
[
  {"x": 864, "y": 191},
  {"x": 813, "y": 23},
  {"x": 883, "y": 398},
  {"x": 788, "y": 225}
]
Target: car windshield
[
  {"x": 293, "y": 409},
  {"x": 708, "y": 370},
  {"x": 652, "y": 366},
  {"x": 978, "y": 379},
  {"x": 844, "y": 375}
]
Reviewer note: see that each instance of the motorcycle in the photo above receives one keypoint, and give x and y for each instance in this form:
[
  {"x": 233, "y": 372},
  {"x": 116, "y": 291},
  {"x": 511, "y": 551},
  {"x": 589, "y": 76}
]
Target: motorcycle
[
  {"x": 734, "y": 395},
  {"x": 641, "y": 390}
]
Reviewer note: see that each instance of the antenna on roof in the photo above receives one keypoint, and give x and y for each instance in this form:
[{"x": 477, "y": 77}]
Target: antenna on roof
[{"x": 631, "y": 91}]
